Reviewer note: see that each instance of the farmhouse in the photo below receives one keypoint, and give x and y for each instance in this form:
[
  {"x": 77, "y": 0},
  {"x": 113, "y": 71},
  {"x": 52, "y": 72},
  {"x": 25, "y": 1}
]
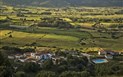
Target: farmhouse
[
  {"x": 11, "y": 57},
  {"x": 22, "y": 59},
  {"x": 105, "y": 52},
  {"x": 102, "y": 52},
  {"x": 108, "y": 56},
  {"x": 18, "y": 56},
  {"x": 43, "y": 56},
  {"x": 33, "y": 54},
  {"x": 27, "y": 54}
]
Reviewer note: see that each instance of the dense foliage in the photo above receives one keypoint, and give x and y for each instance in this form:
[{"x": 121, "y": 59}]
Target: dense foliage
[
  {"x": 54, "y": 22},
  {"x": 70, "y": 67},
  {"x": 6, "y": 68}
]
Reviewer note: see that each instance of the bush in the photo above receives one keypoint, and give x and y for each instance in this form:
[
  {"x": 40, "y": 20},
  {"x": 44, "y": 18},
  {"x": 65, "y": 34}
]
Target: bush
[
  {"x": 20, "y": 74},
  {"x": 75, "y": 74},
  {"x": 31, "y": 67},
  {"x": 46, "y": 74}
]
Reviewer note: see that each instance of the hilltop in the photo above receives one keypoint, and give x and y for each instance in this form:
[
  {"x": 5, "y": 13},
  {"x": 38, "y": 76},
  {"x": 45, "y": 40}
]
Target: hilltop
[{"x": 64, "y": 3}]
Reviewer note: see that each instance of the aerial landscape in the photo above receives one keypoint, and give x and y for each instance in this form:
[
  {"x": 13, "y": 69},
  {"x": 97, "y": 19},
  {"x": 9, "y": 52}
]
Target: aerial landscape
[{"x": 61, "y": 38}]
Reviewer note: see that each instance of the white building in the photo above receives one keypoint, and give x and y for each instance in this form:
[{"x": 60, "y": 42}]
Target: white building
[
  {"x": 11, "y": 57},
  {"x": 18, "y": 56},
  {"x": 44, "y": 56},
  {"x": 23, "y": 59},
  {"x": 33, "y": 55},
  {"x": 108, "y": 56}
]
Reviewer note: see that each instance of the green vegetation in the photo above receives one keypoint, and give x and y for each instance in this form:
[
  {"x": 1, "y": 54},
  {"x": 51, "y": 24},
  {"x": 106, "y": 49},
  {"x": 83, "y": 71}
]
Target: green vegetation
[
  {"x": 59, "y": 38},
  {"x": 6, "y": 68},
  {"x": 84, "y": 28},
  {"x": 69, "y": 36},
  {"x": 29, "y": 38},
  {"x": 72, "y": 66}
]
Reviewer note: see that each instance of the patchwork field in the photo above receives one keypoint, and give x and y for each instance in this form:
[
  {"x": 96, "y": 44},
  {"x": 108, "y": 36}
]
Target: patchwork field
[
  {"x": 61, "y": 39},
  {"x": 23, "y": 38},
  {"x": 83, "y": 28}
]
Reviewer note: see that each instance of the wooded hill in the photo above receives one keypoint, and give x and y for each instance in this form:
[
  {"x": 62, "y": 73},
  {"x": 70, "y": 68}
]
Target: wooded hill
[{"x": 64, "y": 3}]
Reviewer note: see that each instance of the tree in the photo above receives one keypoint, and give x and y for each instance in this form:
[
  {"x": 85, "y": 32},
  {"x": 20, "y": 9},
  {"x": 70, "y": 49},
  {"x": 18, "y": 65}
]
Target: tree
[
  {"x": 10, "y": 36},
  {"x": 11, "y": 49},
  {"x": 47, "y": 64},
  {"x": 31, "y": 67},
  {"x": 69, "y": 74},
  {"x": 28, "y": 50},
  {"x": 85, "y": 74},
  {"x": 6, "y": 69},
  {"x": 75, "y": 74},
  {"x": 61, "y": 68},
  {"x": 46, "y": 74},
  {"x": 20, "y": 74}
]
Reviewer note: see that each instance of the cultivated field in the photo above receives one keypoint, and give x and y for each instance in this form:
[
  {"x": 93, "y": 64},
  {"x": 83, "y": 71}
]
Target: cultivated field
[{"x": 89, "y": 30}]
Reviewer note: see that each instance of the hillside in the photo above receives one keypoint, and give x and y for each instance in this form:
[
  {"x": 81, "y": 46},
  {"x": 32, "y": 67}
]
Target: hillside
[{"x": 64, "y": 3}]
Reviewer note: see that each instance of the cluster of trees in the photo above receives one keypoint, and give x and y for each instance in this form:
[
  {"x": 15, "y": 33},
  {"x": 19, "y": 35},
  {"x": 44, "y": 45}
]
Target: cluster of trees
[
  {"x": 16, "y": 49},
  {"x": 115, "y": 31},
  {"x": 116, "y": 26},
  {"x": 112, "y": 68},
  {"x": 6, "y": 68},
  {"x": 46, "y": 13},
  {"x": 64, "y": 74},
  {"x": 3, "y": 21},
  {"x": 82, "y": 20},
  {"x": 54, "y": 22},
  {"x": 119, "y": 12}
]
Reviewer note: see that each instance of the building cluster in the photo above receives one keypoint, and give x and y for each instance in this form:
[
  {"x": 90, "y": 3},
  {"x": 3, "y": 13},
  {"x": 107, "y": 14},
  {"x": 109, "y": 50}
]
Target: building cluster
[
  {"x": 39, "y": 57},
  {"x": 31, "y": 56},
  {"x": 108, "y": 54}
]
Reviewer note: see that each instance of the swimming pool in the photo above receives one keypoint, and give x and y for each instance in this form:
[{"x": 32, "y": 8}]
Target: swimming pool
[{"x": 100, "y": 61}]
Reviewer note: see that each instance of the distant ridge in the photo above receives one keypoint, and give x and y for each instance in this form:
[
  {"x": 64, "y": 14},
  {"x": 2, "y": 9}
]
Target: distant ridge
[{"x": 64, "y": 3}]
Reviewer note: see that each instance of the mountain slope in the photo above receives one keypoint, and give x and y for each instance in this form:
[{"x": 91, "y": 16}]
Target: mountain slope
[{"x": 64, "y": 3}]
